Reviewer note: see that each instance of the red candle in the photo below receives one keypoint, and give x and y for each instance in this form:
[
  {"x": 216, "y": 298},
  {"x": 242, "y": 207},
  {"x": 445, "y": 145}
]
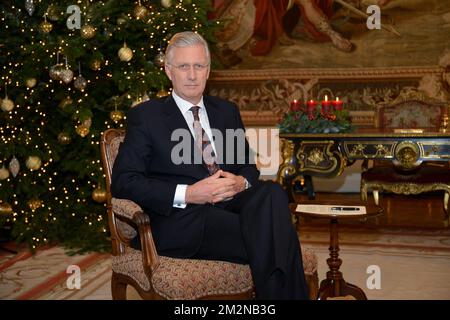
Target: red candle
[
  {"x": 326, "y": 105},
  {"x": 337, "y": 104},
  {"x": 311, "y": 105},
  {"x": 295, "y": 105}
]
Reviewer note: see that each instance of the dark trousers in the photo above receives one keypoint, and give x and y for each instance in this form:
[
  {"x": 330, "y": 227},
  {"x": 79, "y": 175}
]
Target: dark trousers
[{"x": 255, "y": 228}]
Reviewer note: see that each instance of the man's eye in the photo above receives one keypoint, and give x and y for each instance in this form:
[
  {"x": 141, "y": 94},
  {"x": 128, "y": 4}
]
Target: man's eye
[{"x": 184, "y": 67}]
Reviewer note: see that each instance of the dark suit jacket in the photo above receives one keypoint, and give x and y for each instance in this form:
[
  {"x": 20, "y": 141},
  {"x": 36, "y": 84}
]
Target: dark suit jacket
[{"x": 144, "y": 172}]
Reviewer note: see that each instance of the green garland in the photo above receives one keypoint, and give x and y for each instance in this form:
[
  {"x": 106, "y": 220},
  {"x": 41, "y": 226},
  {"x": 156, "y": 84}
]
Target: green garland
[{"x": 300, "y": 122}]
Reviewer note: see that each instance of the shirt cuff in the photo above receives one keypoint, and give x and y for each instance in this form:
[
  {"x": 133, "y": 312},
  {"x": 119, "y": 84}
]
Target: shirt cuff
[
  {"x": 247, "y": 184},
  {"x": 179, "y": 200}
]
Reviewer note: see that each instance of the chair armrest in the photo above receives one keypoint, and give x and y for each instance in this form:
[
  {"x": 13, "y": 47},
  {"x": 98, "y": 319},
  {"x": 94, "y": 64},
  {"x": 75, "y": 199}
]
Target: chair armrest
[
  {"x": 125, "y": 208},
  {"x": 131, "y": 212}
]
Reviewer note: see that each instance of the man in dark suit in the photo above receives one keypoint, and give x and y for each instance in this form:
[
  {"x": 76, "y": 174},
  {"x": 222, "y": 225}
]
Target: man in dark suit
[{"x": 207, "y": 209}]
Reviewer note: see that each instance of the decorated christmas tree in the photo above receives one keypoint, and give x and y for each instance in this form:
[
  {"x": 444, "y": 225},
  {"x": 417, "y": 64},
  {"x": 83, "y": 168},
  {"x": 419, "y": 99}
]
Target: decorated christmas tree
[{"x": 70, "y": 70}]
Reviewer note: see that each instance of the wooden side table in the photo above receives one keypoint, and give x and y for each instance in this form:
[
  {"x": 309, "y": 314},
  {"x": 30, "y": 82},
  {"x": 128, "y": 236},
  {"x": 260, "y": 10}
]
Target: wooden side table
[{"x": 334, "y": 285}]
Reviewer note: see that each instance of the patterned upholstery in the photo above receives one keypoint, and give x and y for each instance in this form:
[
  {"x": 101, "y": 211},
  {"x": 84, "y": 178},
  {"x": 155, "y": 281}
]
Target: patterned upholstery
[
  {"x": 410, "y": 114},
  {"x": 183, "y": 279}
]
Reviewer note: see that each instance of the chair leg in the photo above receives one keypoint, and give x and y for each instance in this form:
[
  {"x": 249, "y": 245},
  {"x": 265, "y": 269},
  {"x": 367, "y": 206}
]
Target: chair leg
[
  {"x": 313, "y": 285},
  {"x": 118, "y": 288}
]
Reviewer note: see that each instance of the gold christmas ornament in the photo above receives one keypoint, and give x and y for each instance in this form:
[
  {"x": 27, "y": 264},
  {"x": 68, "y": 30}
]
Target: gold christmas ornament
[
  {"x": 83, "y": 131},
  {"x": 95, "y": 64},
  {"x": 64, "y": 138},
  {"x": 7, "y": 104},
  {"x": 4, "y": 173},
  {"x": 125, "y": 53},
  {"x": 162, "y": 93},
  {"x": 31, "y": 82},
  {"x": 46, "y": 26},
  {"x": 65, "y": 102},
  {"x": 66, "y": 75},
  {"x": 5, "y": 208},
  {"x": 87, "y": 31},
  {"x": 99, "y": 195},
  {"x": 34, "y": 204},
  {"x": 159, "y": 60},
  {"x": 55, "y": 71},
  {"x": 33, "y": 163},
  {"x": 54, "y": 13},
  {"x": 166, "y": 3},
  {"x": 140, "y": 12},
  {"x": 116, "y": 115},
  {"x": 14, "y": 166},
  {"x": 80, "y": 83}
]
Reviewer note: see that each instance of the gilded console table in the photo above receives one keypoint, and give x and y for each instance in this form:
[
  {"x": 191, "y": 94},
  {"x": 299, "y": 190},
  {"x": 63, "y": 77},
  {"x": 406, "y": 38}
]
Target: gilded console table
[{"x": 327, "y": 155}]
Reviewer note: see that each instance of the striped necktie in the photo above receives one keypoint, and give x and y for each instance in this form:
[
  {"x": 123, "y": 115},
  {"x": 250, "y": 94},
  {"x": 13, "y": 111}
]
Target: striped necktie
[{"x": 203, "y": 143}]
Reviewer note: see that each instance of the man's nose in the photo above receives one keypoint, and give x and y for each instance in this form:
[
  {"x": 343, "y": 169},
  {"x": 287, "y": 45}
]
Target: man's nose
[{"x": 192, "y": 74}]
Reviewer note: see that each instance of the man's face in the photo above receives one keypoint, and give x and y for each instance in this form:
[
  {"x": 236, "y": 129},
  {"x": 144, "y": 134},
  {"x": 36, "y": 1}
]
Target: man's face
[{"x": 188, "y": 71}]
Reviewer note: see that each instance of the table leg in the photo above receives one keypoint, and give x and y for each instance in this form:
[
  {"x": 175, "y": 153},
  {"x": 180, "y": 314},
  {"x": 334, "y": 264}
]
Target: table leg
[
  {"x": 334, "y": 285},
  {"x": 310, "y": 187}
]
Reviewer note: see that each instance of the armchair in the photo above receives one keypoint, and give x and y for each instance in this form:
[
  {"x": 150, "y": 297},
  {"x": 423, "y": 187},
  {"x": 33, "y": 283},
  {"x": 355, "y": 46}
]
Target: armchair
[
  {"x": 159, "y": 277},
  {"x": 407, "y": 174}
]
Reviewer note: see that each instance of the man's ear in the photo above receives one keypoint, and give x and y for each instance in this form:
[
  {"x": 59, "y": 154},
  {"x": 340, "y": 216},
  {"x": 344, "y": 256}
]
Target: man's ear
[{"x": 167, "y": 71}]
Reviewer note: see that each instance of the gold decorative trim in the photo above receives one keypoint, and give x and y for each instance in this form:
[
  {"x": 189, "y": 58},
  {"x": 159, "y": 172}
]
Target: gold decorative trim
[
  {"x": 316, "y": 156},
  {"x": 407, "y": 155},
  {"x": 434, "y": 147},
  {"x": 287, "y": 168},
  {"x": 406, "y": 188},
  {"x": 367, "y": 134},
  {"x": 329, "y": 73},
  {"x": 335, "y": 162},
  {"x": 381, "y": 149}
]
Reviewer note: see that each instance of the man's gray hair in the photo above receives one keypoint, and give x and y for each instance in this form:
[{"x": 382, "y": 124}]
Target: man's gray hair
[{"x": 186, "y": 39}]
